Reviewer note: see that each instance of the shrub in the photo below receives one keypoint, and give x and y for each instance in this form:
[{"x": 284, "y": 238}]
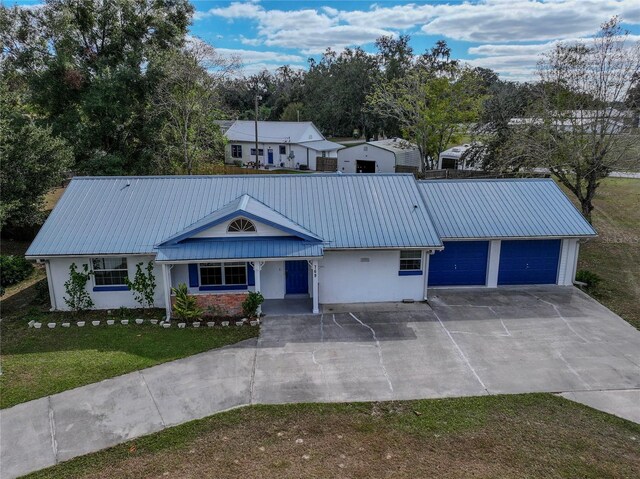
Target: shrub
[
  {"x": 124, "y": 313},
  {"x": 77, "y": 298},
  {"x": 143, "y": 285},
  {"x": 185, "y": 306},
  {"x": 13, "y": 269},
  {"x": 237, "y": 162},
  {"x": 251, "y": 303},
  {"x": 589, "y": 278}
]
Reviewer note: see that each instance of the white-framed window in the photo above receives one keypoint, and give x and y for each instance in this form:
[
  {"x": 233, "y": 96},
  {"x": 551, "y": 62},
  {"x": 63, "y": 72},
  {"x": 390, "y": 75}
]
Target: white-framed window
[
  {"x": 283, "y": 149},
  {"x": 241, "y": 225},
  {"x": 260, "y": 152},
  {"x": 411, "y": 260},
  {"x": 109, "y": 271},
  {"x": 236, "y": 151},
  {"x": 223, "y": 274}
]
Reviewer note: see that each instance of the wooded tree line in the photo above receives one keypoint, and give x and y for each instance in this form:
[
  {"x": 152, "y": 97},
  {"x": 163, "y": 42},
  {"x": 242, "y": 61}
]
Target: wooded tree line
[{"x": 118, "y": 87}]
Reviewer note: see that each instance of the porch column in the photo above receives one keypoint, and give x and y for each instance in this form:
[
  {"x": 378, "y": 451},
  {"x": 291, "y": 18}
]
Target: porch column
[
  {"x": 314, "y": 275},
  {"x": 166, "y": 276},
  {"x": 257, "y": 268}
]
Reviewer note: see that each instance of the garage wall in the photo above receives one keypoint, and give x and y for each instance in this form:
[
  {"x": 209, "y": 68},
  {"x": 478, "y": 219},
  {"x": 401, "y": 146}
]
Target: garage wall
[
  {"x": 58, "y": 274},
  {"x": 347, "y": 158},
  {"x": 566, "y": 268},
  {"x": 568, "y": 261},
  {"x": 366, "y": 276}
]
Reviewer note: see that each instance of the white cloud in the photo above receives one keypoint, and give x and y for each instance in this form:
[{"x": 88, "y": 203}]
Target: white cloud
[
  {"x": 519, "y": 61},
  {"x": 255, "y": 56},
  {"x": 308, "y": 30},
  {"x": 254, "y": 68},
  {"x": 526, "y": 20},
  {"x": 501, "y": 26}
]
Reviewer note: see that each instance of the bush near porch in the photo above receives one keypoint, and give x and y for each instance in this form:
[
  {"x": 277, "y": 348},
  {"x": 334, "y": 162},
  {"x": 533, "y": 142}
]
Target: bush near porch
[{"x": 37, "y": 363}]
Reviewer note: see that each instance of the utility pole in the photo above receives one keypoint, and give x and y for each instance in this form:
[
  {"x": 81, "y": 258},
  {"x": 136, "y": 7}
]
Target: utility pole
[{"x": 258, "y": 97}]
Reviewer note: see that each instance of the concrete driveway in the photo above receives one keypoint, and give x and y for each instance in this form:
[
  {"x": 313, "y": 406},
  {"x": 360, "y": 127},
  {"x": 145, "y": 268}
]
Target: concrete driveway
[{"x": 469, "y": 342}]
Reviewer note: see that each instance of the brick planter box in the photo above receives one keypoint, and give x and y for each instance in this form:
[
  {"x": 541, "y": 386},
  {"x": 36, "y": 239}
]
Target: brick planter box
[{"x": 228, "y": 303}]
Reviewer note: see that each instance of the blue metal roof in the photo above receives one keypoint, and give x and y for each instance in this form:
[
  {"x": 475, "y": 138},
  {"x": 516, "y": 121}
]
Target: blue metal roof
[
  {"x": 118, "y": 215},
  {"x": 504, "y": 208},
  {"x": 257, "y": 248},
  {"x": 248, "y": 207}
]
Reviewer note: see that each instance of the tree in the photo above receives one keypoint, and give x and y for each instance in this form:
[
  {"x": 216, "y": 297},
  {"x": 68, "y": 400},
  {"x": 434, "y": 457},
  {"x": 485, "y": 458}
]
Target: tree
[
  {"x": 632, "y": 100},
  {"x": 573, "y": 127},
  {"x": 431, "y": 104},
  {"x": 78, "y": 298},
  {"x": 185, "y": 105},
  {"x": 395, "y": 55},
  {"x": 336, "y": 88},
  {"x": 143, "y": 285},
  {"x": 504, "y": 101},
  {"x": 292, "y": 112},
  {"x": 33, "y": 161},
  {"x": 85, "y": 64}
]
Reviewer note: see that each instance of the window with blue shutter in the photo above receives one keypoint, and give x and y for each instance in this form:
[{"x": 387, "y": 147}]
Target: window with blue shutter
[
  {"x": 251, "y": 275},
  {"x": 193, "y": 275}
]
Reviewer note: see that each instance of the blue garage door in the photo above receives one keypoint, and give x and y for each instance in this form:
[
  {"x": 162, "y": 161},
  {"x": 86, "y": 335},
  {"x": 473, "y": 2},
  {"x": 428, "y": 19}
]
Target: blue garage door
[
  {"x": 529, "y": 262},
  {"x": 462, "y": 263}
]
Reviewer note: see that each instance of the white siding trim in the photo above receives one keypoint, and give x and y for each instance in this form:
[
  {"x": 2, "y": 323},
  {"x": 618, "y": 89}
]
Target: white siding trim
[{"x": 493, "y": 263}]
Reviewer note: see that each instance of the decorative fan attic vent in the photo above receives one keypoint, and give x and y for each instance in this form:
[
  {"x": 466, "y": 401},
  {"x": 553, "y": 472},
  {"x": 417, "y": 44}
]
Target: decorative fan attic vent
[{"x": 241, "y": 225}]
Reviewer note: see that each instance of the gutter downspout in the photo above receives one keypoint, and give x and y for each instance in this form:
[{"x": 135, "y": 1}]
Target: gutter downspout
[
  {"x": 52, "y": 293},
  {"x": 427, "y": 254}
]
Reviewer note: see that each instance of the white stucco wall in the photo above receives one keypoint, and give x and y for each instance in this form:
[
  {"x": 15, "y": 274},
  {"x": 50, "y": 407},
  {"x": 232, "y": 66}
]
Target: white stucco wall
[
  {"x": 299, "y": 151},
  {"x": 59, "y": 271},
  {"x": 347, "y": 158},
  {"x": 568, "y": 261},
  {"x": 345, "y": 278},
  {"x": 272, "y": 280}
]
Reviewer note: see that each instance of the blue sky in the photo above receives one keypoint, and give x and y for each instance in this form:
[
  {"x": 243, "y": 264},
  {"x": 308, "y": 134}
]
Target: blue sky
[{"x": 505, "y": 35}]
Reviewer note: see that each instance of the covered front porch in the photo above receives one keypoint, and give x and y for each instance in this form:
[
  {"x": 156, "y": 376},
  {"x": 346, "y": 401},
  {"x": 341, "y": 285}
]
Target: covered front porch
[{"x": 220, "y": 278}]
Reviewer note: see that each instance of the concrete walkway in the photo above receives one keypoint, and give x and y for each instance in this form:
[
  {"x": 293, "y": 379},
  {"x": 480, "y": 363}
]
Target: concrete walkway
[
  {"x": 44, "y": 432},
  {"x": 624, "y": 404},
  {"x": 467, "y": 343}
]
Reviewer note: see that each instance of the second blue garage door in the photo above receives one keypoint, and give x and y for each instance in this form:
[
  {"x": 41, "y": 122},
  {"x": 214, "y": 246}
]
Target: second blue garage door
[
  {"x": 461, "y": 263},
  {"x": 529, "y": 262}
]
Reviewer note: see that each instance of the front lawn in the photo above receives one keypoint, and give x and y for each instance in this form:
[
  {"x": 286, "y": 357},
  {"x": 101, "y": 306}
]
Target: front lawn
[
  {"x": 39, "y": 362},
  {"x": 534, "y": 435},
  {"x": 615, "y": 254}
]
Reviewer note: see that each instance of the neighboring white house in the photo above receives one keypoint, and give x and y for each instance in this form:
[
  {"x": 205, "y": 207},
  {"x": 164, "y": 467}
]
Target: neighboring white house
[
  {"x": 452, "y": 159},
  {"x": 332, "y": 238},
  {"x": 382, "y": 156},
  {"x": 281, "y": 144}
]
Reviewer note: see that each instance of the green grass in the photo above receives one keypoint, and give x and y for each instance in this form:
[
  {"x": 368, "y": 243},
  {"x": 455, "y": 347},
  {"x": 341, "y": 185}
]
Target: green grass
[
  {"x": 36, "y": 363},
  {"x": 615, "y": 254},
  {"x": 533, "y": 435}
]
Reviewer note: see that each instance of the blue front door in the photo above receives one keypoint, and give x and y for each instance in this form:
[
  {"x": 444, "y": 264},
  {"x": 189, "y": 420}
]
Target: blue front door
[
  {"x": 461, "y": 263},
  {"x": 529, "y": 262},
  {"x": 270, "y": 156},
  {"x": 297, "y": 277}
]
